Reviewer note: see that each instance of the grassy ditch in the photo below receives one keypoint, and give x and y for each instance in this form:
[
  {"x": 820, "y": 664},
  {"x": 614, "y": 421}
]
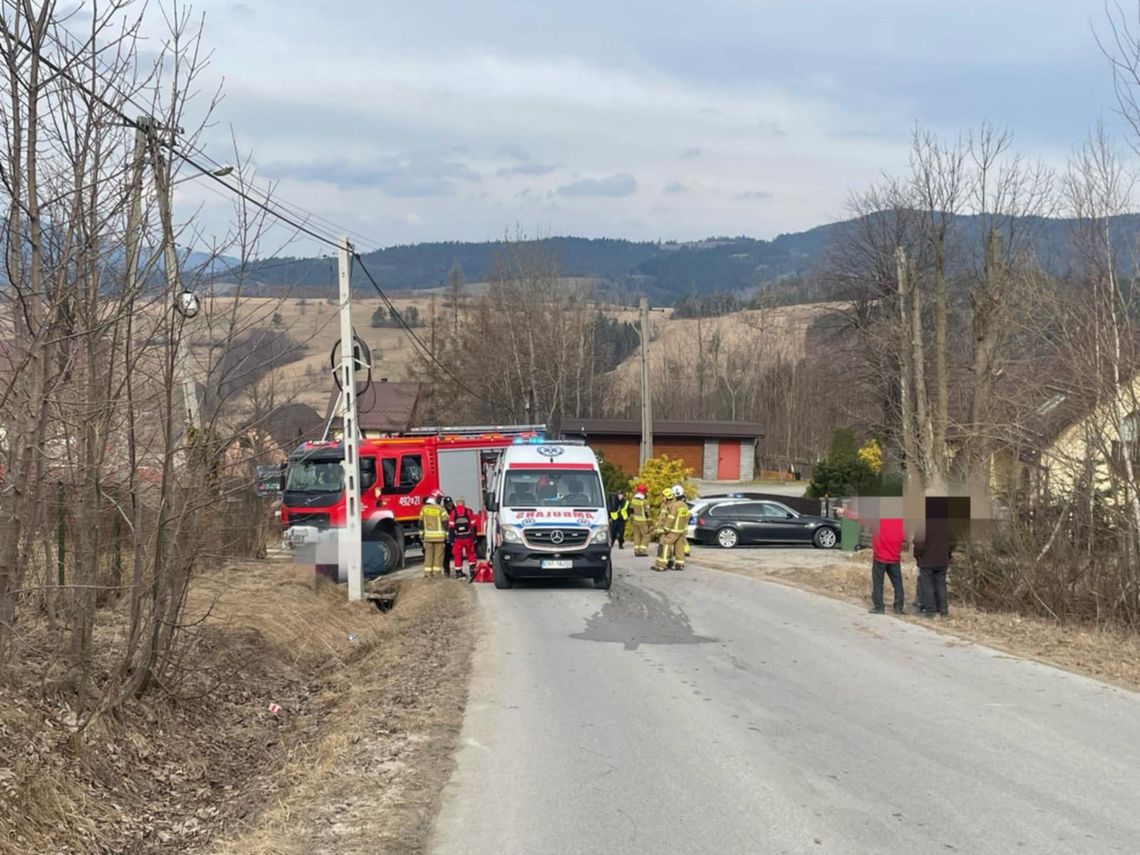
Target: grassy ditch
[{"x": 300, "y": 723}]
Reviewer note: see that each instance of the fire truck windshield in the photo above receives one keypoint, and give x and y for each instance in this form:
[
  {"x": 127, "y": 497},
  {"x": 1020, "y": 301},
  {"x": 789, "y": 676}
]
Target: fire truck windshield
[{"x": 315, "y": 476}]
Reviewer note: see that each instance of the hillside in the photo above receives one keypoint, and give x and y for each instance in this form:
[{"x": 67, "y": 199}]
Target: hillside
[{"x": 624, "y": 270}]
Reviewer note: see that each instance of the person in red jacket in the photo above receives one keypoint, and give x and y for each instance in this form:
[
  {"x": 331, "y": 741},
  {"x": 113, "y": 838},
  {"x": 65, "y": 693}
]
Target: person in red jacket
[
  {"x": 887, "y": 538},
  {"x": 463, "y": 524}
]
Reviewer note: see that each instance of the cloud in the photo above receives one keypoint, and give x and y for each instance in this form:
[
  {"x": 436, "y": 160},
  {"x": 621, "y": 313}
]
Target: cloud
[
  {"x": 529, "y": 169},
  {"x": 676, "y": 187},
  {"x": 614, "y": 186},
  {"x": 720, "y": 87},
  {"x": 513, "y": 152},
  {"x": 417, "y": 174}
]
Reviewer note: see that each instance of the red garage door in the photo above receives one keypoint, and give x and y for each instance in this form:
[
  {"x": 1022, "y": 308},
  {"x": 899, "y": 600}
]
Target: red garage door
[{"x": 728, "y": 460}]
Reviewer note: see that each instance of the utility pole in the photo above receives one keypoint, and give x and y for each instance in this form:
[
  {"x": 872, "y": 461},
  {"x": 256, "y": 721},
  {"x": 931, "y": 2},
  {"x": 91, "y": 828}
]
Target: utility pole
[
  {"x": 349, "y": 547},
  {"x": 646, "y": 395},
  {"x": 134, "y": 208},
  {"x": 170, "y": 262}
]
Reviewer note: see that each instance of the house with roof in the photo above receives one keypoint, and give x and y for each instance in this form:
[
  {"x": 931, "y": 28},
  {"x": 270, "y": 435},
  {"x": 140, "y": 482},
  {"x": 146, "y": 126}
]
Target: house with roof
[
  {"x": 716, "y": 451},
  {"x": 1054, "y": 427},
  {"x": 382, "y": 408}
]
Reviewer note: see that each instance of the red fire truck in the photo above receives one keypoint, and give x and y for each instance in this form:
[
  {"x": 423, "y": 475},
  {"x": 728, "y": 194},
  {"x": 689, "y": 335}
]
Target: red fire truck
[{"x": 397, "y": 473}]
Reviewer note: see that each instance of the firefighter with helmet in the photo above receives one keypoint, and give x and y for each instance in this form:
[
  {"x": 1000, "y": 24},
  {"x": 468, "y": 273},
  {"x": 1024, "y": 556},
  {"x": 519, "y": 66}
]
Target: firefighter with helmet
[
  {"x": 661, "y": 523},
  {"x": 639, "y": 508},
  {"x": 679, "y": 492},
  {"x": 670, "y": 545},
  {"x": 433, "y": 534},
  {"x": 463, "y": 526}
]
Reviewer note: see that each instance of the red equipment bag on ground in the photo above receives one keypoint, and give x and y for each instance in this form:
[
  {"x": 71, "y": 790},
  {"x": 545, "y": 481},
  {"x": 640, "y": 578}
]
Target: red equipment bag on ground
[{"x": 483, "y": 572}]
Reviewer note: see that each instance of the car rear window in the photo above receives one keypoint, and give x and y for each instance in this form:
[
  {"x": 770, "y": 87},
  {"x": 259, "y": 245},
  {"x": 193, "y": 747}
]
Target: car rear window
[{"x": 735, "y": 509}]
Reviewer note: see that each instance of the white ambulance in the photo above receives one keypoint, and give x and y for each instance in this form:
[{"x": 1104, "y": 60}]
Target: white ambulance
[{"x": 548, "y": 517}]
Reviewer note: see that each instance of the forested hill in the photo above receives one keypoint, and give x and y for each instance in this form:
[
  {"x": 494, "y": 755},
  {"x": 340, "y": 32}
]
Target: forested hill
[{"x": 662, "y": 271}]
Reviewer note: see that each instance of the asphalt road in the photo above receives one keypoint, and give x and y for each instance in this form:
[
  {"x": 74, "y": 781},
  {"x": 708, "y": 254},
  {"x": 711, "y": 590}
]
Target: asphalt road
[{"x": 705, "y": 712}]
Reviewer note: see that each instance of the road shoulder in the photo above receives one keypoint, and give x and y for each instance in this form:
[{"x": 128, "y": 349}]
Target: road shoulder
[{"x": 1105, "y": 654}]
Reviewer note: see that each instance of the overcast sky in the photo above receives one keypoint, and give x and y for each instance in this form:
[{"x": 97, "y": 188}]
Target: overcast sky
[{"x": 644, "y": 119}]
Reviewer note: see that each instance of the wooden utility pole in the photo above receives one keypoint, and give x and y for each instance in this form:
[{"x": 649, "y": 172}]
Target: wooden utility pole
[
  {"x": 163, "y": 190},
  {"x": 910, "y": 446},
  {"x": 349, "y": 544},
  {"x": 646, "y": 392}
]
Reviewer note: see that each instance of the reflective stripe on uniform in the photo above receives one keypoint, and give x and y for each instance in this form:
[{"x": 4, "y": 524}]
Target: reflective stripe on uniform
[
  {"x": 680, "y": 519},
  {"x": 431, "y": 519},
  {"x": 640, "y": 509}
]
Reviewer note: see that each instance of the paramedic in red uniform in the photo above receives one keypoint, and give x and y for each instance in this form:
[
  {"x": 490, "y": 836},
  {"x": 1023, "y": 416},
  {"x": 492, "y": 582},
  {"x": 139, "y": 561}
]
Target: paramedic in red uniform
[{"x": 463, "y": 525}]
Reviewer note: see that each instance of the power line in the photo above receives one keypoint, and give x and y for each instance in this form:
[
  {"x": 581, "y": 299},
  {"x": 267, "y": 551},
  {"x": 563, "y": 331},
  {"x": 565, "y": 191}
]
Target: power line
[
  {"x": 416, "y": 340},
  {"x": 271, "y": 209},
  {"x": 293, "y": 210},
  {"x": 167, "y": 144}
]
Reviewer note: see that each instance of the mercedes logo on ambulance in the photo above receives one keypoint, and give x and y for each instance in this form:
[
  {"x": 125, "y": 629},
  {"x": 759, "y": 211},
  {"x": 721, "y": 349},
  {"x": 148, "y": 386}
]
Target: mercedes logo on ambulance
[
  {"x": 557, "y": 536},
  {"x": 550, "y": 451}
]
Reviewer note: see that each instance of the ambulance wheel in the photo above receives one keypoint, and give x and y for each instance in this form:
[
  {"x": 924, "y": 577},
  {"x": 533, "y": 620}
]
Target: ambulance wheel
[
  {"x": 603, "y": 582},
  {"x": 502, "y": 580}
]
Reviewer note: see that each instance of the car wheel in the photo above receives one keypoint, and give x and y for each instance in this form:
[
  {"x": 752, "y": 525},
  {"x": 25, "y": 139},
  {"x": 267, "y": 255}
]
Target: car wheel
[
  {"x": 727, "y": 538},
  {"x": 825, "y": 538},
  {"x": 502, "y": 580},
  {"x": 603, "y": 583}
]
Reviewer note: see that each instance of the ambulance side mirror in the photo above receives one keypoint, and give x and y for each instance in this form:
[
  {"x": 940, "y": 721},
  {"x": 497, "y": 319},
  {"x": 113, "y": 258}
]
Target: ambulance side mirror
[{"x": 489, "y": 502}]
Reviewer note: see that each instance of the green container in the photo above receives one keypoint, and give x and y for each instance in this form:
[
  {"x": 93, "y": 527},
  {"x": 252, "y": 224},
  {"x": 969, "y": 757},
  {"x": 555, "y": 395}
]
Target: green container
[{"x": 848, "y": 535}]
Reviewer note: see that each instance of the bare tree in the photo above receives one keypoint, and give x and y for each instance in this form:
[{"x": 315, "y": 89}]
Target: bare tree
[{"x": 93, "y": 414}]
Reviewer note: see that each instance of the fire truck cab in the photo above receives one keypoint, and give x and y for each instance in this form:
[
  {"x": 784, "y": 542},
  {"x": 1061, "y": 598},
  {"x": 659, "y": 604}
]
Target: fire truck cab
[{"x": 396, "y": 475}]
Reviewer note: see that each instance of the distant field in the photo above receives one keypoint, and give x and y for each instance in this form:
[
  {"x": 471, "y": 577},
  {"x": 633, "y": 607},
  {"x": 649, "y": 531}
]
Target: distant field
[
  {"x": 763, "y": 334},
  {"x": 316, "y": 325}
]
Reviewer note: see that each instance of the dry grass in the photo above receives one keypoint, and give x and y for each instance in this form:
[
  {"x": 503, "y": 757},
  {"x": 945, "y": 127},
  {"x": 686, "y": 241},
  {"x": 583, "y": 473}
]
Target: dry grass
[
  {"x": 1106, "y": 654},
  {"x": 179, "y": 772},
  {"x": 389, "y": 724},
  {"x": 315, "y": 324},
  {"x": 769, "y": 334}
]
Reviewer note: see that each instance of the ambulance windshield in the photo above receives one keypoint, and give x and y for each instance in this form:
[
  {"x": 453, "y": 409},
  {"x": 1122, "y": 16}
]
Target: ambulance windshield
[{"x": 552, "y": 488}]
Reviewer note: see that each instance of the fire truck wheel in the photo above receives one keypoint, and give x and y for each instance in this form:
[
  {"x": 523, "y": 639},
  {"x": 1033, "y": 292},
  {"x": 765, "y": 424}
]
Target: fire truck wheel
[
  {"x": 390, "y": 548},
  {"x": 502, "y": 580}
]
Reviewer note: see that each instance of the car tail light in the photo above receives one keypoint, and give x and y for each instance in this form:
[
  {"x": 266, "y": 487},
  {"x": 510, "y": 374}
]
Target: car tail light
[{"x": 700, "y": 520}]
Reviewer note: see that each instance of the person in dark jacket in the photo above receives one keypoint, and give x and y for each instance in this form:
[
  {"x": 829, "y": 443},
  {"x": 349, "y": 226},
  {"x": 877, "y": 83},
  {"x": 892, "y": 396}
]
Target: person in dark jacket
[
  {"x": 618, "y": 506},
  {"x": 448, "y": 510},
  {"x": 933, "y": 549}
]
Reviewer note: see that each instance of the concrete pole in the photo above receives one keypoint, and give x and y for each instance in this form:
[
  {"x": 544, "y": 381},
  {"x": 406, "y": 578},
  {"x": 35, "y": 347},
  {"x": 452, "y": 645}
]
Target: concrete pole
[
  {"x": 646, "y": 392},
  {"x": 349, "y": 547}
]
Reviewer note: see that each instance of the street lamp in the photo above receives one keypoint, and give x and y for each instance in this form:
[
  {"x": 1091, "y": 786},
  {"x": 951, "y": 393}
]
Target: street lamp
[
  {"x": 187, "y": 303},
  {"x": 220, "y": 172}
]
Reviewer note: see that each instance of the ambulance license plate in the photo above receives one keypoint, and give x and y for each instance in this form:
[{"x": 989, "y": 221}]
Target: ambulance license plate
[{"x": 557, "y": 564}]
